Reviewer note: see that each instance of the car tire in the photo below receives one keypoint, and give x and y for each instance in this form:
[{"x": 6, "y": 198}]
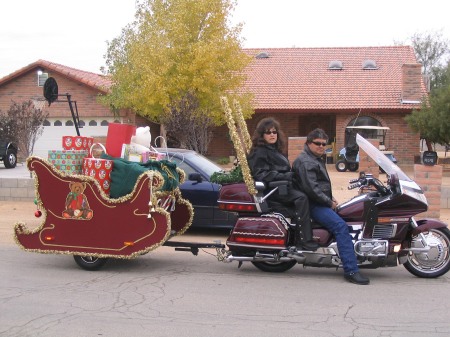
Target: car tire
[
  {"x": 353, "y": 167},
  {"x": 10, "y": 159},
  {"x": 341, "y": 165}
]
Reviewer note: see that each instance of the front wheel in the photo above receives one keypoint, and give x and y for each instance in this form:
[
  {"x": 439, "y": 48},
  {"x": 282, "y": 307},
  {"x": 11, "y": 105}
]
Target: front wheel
[
  {"x": 436, "y": 261},
  {"x": 341, "y": 165},
  {"x": 274, "y": 267},
  {"x": 90, "y": 262}
]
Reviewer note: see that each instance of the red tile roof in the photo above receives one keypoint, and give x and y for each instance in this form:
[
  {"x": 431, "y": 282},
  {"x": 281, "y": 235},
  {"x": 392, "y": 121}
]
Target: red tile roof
[
  {"x": 299, "y": 78},
  {"x": 97, "y": 81}
]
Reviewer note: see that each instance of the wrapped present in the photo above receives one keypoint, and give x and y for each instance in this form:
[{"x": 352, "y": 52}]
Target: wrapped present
[
  {"x": 67, "y": 161},
  {"x": 99, "y": 169},
  {"x": 133, "y": 153},
  {"x": 77, "y": 143},
  {"x": 118, "y": 134},
  {"x": 152, "y": 155}
]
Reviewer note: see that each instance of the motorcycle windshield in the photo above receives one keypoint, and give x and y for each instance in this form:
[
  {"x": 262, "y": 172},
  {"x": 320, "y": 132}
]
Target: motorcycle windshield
[{"x": 384, "y": 162}]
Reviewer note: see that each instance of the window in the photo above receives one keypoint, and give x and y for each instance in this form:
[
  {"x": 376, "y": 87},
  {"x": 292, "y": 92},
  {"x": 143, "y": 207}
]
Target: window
[
  {"x": 92, "y": 123},
  {"x": 369, "y": 65},
  {"x": 57, "y": 123},
  {"x": 69, "y": 123},
  {"x": 104, "y": 123},
  {"x": 46, "y": 123},
  {"x": 262, "y": 55},
  {"x": 335, "y": 65},
  {"x": 42, "y": 77},
  {"x": 81, "y": 124}
]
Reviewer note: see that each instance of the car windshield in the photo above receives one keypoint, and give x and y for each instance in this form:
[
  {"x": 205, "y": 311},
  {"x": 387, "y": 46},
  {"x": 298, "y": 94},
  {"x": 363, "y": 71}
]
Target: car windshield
[
  {"x": 188, "y": 161},
  {"x": 384, "y": 162}
]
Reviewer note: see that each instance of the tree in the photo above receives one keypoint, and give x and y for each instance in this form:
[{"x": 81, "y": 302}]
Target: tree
[
  {"x": 175, "y": 61},
  {"x": 432, "y": 121},
  {"x": 432, "y": 51},
  {"x": 23, "y": 125}
]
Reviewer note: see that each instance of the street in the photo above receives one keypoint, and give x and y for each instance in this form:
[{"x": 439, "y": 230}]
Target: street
[{"x": 168, "y": 293}]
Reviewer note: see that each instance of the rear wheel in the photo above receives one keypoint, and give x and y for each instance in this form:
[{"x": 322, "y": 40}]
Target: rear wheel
[
  {"x": 10, "y": 160},
  {"x": 90, "y": 262},
  {"x": 436, "y": 261},
  {"x": 341, "y": 165},
  {"x": 353, "y": 167},
  {"x": 274, "y": 267}
]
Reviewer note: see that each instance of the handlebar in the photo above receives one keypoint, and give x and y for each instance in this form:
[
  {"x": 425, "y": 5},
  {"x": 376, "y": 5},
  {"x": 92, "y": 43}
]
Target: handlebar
[
  {"x": 352, "y": 186},
  {"x": 368, "y": 180}
]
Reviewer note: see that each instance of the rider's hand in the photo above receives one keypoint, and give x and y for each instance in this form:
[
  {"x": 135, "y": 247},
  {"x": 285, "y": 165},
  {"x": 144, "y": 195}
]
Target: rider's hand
[{"x": 334, "y": 204}]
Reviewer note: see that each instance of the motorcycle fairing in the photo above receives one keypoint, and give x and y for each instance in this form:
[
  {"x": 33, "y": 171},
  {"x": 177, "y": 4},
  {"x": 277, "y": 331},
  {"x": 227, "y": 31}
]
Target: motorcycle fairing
[{"x": 425, "y": 225}]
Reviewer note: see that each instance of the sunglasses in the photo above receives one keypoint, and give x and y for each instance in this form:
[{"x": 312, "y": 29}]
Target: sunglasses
[
  {"x": 319, "y": 144},
  {"x": 270, "y": 132}
]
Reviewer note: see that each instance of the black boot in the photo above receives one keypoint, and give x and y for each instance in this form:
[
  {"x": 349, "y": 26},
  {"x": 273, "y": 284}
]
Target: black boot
[{"x": 306, "y": 242}]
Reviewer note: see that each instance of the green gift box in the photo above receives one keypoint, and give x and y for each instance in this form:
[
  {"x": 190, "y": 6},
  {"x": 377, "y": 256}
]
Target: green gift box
[{"x": 68, "y": 161}]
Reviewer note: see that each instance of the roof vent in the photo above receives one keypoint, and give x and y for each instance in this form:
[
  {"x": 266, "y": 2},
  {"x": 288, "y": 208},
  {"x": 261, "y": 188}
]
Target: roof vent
[
  {"x": 369, "y": 64},
  {"x": 263, "y": 55},
  {"x": 335, "y": 65}
]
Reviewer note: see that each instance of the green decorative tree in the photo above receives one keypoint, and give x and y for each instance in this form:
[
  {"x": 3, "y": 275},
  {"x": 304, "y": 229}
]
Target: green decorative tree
[{"x": 176, "y": 60}]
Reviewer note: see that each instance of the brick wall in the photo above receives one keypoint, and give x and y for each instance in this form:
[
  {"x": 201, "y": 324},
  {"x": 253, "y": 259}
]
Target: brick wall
[
  {"x": 429, "y": 178},
  {"x": 411, "y": 75},
  {"x": 366, "y": 163}
]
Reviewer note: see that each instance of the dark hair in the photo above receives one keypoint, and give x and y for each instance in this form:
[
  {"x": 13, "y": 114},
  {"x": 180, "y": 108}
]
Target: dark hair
[
  {"x": 316, "y": 134},
  {"x": 264, "y": 125}
]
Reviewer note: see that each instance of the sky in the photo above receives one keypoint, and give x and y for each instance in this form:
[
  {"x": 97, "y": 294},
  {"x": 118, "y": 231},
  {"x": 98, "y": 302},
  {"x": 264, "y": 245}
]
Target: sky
[{"x": 75, "y": 33}]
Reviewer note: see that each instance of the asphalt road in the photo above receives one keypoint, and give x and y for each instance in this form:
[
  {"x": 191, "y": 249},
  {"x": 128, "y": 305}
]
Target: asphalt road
[{"x": 168, "y": 293}]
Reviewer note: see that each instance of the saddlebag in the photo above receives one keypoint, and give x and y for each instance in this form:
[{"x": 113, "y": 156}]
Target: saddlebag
[{"x": 264, "y": 232}]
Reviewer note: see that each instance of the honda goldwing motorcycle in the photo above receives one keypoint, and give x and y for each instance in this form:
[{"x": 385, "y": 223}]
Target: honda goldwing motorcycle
[{"x": 380, "y": 219}]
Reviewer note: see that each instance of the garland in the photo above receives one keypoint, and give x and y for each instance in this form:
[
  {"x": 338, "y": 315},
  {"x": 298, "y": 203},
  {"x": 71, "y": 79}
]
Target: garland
[
  {"x": 232, "y": 177},
  {"x": 241, "y": 155}
]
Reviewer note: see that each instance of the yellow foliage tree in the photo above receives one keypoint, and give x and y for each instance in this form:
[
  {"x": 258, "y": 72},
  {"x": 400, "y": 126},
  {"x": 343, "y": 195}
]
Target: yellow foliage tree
[{"x": 178, "y": 50}]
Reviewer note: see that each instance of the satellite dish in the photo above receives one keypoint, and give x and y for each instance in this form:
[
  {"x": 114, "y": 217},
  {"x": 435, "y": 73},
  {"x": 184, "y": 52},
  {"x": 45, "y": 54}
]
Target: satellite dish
[{"x": 50, "y": 90}]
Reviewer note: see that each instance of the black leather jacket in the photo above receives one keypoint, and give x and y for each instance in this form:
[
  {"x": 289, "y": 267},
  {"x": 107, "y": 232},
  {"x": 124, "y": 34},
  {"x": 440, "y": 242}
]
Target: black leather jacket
[
  {"x": 311, "y": 176},
  {"x": 268, "y": 164}
]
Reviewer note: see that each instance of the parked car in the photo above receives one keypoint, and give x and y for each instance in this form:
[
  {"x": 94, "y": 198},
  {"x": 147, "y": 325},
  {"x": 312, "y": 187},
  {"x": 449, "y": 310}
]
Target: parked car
[
  {"x": 199, "y": 190},
  {"x": 8, "y": 153}
]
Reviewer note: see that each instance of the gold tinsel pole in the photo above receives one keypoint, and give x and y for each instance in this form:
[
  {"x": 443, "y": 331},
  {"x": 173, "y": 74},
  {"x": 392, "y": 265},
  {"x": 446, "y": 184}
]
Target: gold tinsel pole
[
  {"x": 242, "y": 156},
  {"x": 239, "y": 116}
]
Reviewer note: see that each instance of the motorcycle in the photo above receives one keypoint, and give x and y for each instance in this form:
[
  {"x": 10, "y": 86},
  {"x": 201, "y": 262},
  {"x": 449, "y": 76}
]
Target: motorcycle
[{"x": 380, "y": 219}]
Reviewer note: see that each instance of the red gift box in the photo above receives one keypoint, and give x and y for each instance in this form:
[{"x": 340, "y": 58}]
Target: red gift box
[
  {"x": 77, "y": 142},
  {"x": 99, "y": 169},
  {"x": 118, "y": 134}
]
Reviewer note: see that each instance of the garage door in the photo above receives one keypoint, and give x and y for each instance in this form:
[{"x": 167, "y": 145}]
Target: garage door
[{"x": 55, "y": 128}]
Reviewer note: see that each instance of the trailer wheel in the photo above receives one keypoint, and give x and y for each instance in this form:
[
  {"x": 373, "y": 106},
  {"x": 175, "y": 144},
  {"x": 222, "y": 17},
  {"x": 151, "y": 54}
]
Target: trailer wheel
[
  {"x": 341, "y": 165},
  {"x": 90, "y": 262}
]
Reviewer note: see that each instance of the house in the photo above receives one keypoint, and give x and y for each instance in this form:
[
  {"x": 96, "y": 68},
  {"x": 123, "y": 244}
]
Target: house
[
  {"x": 82, "y": 86},
  {"x": 303, "y": 88},
  {"x": 332, "y": 88}
]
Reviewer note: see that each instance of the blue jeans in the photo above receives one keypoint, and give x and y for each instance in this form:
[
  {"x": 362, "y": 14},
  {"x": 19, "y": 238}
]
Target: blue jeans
[{"x": 336, "y": 225}]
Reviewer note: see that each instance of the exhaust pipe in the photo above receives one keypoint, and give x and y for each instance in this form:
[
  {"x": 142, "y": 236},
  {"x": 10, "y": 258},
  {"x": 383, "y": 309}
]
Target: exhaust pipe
[{"x": 267, "y": 258}]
